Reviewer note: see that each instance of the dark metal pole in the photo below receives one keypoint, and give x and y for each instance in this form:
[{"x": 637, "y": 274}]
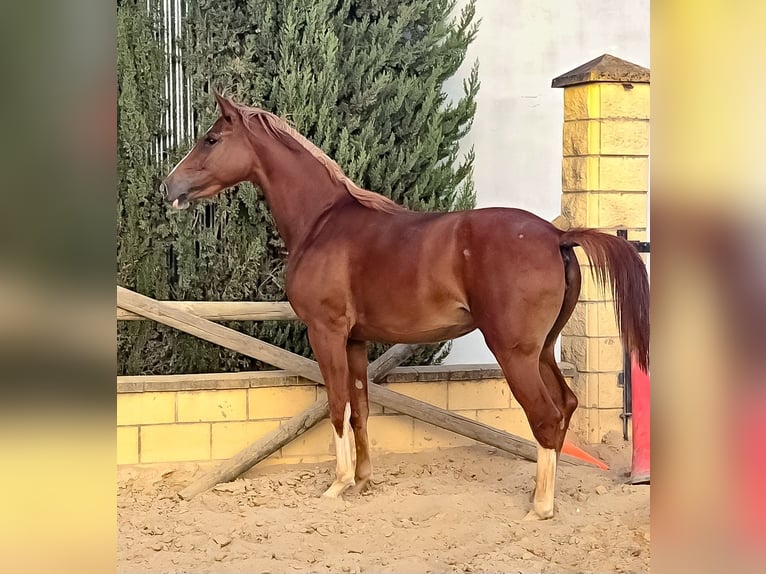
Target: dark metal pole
[{"x": 625, "y": 378}]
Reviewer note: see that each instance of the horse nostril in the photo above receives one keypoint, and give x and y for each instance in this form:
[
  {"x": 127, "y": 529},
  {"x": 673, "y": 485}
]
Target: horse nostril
[
  {"x": 164, "y": 189},
  {"x": 181, "y": 202}
]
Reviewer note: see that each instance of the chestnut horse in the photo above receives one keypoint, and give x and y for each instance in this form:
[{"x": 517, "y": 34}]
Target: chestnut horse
[{"x": 362, "y": 268}]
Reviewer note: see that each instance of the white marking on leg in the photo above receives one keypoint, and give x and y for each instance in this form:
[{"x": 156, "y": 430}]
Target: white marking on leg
[
  {"x": 545, "y": 483},
  {"x": 359, "y": 384},
  {"x": 344, "y": 468}
]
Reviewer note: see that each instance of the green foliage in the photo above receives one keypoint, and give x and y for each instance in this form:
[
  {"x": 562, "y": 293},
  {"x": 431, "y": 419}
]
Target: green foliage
[
  {"x": 360, "y": 78},
  {"x": 142, "y": 226}
]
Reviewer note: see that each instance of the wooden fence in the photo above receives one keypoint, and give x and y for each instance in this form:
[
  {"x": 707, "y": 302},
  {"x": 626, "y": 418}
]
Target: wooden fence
[{"x": 197, "y": 318}]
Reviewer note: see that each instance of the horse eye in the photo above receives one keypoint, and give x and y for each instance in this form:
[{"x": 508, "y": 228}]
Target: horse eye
[{"x": 210, "y": 141}]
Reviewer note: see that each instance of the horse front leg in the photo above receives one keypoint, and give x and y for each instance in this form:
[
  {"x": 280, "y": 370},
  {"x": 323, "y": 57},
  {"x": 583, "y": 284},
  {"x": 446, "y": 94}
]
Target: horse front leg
[
  {"x": 360, "y": 411},
  {"x": 329, "y": 347}
]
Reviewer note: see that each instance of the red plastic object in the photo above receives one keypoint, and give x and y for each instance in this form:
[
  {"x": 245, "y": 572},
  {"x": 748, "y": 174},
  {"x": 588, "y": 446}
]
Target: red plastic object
[
  {"x": 577, "y": 452},
  {"x": 639, "y": 472},
  {"x": 747, "y": 466}
]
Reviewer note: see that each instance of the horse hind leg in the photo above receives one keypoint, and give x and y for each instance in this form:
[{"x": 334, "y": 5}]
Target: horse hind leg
[
  {"x": 544, "y": 413},
  {"x": 559, "y": 391},
  {"x": 554, "y": 381},
  {"x": 566, "y": 401},
  {"x": 549, "y": 369}
]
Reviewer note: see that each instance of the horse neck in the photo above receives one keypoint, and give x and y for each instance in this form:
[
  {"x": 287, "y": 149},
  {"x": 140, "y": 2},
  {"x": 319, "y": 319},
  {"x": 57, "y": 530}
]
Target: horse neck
[{"x": 297, "y": 188}]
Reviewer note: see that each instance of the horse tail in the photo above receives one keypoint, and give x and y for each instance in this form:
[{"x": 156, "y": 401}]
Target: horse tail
[{"x": 615, "y": 261}]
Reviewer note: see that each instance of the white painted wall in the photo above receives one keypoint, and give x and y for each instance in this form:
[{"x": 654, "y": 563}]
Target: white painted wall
[{"x": 521, "y": 46}]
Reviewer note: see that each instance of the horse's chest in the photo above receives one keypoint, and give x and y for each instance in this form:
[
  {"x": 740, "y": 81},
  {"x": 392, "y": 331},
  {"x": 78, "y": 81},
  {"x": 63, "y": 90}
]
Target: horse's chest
[{"x": 315, "y": 289}]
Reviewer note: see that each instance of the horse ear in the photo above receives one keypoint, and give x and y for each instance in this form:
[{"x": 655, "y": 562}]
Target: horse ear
[{"x": 228, "y": 110}]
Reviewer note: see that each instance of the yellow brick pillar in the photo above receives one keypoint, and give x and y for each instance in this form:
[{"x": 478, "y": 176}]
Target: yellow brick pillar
[{"x": 605, "y": 181}]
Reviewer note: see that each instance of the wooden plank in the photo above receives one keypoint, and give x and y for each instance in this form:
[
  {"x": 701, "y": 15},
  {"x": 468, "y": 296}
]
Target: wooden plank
[
  {"x": 257, "y": 451},
  {"x": 460, "y": 425},
  {"x": 254, "y": 453},
  {"x": 210, "y": 381},
  {"x": 225, "y": 310},
  {"x": 309, "y": 369},
  {"x": 251, "y": 455},
  {"x": 218, "y": 334},
  {"x": 388, "y": 361}
]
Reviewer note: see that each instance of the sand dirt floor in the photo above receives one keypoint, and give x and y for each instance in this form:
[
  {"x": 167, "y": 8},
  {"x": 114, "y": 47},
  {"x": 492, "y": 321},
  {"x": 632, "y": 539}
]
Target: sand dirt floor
[{"x": 455, "y": 510}]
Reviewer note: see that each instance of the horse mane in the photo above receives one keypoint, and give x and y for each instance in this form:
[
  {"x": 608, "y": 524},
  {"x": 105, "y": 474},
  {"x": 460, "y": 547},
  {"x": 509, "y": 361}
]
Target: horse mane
[{"x": 279, "y": 128}]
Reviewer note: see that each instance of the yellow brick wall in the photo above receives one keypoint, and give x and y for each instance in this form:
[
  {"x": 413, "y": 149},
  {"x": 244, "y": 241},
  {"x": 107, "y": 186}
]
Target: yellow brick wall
[
  {"x": 186, "y": 423},
  {"x": 606, "y": 100},
  {"x": 279, "y": 402},
  {"x": 604, "y": 182},
  {"x": 146, "y": 408},
  {"x": 196, "y": 406},
  {"x": 227, "y": 439}
]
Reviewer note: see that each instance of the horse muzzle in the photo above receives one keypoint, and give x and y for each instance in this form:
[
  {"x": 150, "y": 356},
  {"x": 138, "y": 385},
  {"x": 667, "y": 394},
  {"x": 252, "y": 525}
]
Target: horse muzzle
[{"x": 179, "y": 199}]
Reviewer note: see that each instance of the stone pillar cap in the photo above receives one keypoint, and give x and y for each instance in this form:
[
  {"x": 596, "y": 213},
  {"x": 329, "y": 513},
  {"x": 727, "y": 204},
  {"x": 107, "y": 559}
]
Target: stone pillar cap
[{"x": 605, "y": 68}]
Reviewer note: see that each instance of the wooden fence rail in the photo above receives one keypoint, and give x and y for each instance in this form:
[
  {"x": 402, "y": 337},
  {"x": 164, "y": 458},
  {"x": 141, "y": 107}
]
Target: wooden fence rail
[
  {"x": 225, "y": 310},
  {"x": 178, "y": 317}
]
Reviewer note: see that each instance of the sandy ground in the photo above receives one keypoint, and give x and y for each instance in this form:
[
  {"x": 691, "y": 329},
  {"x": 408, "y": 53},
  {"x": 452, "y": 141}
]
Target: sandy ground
[{"x": 456, "y": 510}]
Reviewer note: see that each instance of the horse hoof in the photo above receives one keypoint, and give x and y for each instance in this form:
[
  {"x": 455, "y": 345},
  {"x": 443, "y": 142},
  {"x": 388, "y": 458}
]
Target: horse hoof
[
  {"x": 532, "y": 515},
  {"x": 359, "y": 487},
  {"x": 336, "y": 489}
]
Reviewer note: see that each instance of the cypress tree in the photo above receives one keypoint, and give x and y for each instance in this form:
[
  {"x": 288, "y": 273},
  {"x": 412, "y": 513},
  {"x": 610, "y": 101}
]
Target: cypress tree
[
  {"x": 143, "y": 230},
  {"x": 363, "y": 80}
]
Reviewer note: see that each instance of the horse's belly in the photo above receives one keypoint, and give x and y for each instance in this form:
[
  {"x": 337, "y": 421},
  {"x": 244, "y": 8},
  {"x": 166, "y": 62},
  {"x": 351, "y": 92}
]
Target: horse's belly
[{"x": 414, "y": 329}]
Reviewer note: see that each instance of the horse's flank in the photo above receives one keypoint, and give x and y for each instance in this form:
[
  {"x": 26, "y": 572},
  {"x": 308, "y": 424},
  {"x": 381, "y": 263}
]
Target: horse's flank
[{"x": 279, "y": 128}]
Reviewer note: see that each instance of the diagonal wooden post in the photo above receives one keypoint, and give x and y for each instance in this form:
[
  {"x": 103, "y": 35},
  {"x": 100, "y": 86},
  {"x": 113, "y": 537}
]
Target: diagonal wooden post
[
  {"x": 252, "y": 347},
  {"x": 255, "y": 452}
]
